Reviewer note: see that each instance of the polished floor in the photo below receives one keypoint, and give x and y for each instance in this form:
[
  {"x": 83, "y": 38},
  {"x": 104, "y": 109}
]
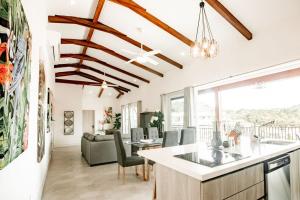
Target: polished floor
[{"x": 70, "y": 177}]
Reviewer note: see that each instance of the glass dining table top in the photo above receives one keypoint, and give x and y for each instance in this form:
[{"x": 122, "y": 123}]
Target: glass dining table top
[{"x": 146, "y": 143}]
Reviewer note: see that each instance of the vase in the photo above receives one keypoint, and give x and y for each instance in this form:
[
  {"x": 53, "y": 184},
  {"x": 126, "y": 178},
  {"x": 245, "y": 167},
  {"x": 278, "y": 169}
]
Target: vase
[
  {"x": 108, "y": 126},
  {"x": 216, "y": 141}
]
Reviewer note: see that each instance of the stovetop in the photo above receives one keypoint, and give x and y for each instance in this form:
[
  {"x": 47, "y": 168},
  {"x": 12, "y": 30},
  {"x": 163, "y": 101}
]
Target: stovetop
[{"x": 212, "y": 158}]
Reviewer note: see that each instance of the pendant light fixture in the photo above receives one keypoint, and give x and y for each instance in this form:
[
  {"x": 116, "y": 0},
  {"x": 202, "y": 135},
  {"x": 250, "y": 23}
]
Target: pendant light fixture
[
  {"x": 104, "y": 84},
  {"x": 205, "y": 46}
]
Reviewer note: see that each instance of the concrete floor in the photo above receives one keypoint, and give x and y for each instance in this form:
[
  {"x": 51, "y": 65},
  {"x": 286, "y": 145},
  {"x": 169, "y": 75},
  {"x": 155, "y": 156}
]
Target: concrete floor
[{"x": 71, "y": 178}]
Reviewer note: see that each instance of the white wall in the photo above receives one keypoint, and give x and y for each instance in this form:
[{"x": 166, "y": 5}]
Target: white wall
[
  {"x": 270, "y": 45},
  {"x": 23, "y": 179},
  {"x": 67, "y": 98},
  {"x": 75, "y": 98},
  {"x": 92, "y": 102}
]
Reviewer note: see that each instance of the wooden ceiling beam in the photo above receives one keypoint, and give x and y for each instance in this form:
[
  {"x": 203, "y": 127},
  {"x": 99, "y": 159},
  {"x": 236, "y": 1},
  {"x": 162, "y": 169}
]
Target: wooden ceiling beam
[
  {"x": 91, "y": 77},
  {"x": 101, "y": 92},
  {"x": 86, "y": 43},
  {"x": 89, "y": 58},
  {"x": 75, "y": 82},
  {"x": 119, "y": 91},
  {"x": 119, "y": 95},
  {"x": 95, "y": 20},
  {"x": 65, "y": 73},
  {"x": 83, "y": 83},
  {"x": 83, "y": 22},
  {"x": 77, "y": 65},
  {"x": 88, "y": 76},
  {"x": 224, "y": 12},
  {"x": 104, "y": 28},
  {"x": 142, "y": 12}
]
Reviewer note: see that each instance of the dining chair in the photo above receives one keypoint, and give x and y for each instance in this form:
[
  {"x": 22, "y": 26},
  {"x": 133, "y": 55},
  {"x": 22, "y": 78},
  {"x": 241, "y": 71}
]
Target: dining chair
[
  {"x": 188, "y": 136},
  {"x": 170, "y": 138},
  {"x": 137, "y": 134},
  {"x": 123, "y": 160},
  {"x": 152, "y": 133}
]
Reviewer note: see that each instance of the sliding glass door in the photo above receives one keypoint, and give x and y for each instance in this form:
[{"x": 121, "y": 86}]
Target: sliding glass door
[
  {"x": 129, "y": 117},
  {"x": 205, "y": 115},
  {"x": 176, "y": 112},
  {"x": 269, "y": 108}
]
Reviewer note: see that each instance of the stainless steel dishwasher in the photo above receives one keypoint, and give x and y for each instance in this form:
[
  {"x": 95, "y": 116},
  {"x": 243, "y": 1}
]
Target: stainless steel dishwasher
[{"x": 277, "y": 178}]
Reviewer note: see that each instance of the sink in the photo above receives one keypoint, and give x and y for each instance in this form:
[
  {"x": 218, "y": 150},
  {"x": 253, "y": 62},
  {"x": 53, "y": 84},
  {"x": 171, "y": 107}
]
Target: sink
[{"x": 276, "y": 142}]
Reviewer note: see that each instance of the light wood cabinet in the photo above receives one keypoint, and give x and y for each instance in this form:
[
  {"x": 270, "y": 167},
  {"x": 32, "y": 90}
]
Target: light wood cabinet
[
  {"x": 172, "y": 185},
  {"x": 230, "y": 184},
  {"x": 245, "y": 184},
  {"x": 295, "y": 175},
  {"x": 253, "y": 193}
]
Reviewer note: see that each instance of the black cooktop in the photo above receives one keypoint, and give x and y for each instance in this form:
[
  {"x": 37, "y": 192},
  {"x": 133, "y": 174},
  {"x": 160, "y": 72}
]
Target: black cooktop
[{"x": 212, "y": 158}]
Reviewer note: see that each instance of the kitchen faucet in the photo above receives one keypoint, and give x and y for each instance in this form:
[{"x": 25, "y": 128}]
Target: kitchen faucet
[
  {"x": 259, "y": 137},
  {"x": 298, "y": 136}
]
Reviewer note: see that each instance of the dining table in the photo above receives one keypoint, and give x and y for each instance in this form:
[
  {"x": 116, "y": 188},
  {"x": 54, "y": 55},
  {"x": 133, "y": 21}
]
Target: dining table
[{"x": 143, "y": 145}]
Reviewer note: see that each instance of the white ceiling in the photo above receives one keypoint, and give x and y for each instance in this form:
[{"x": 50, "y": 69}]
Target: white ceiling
[{"x": 179, "y": 14}]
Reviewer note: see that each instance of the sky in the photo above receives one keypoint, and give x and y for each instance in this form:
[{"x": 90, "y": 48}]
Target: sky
[{"x": 277, "y": 94}]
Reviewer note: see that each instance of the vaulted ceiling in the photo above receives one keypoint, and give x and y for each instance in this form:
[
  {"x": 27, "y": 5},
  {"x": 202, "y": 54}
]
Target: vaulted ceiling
[{"x": 96, "y": 32}]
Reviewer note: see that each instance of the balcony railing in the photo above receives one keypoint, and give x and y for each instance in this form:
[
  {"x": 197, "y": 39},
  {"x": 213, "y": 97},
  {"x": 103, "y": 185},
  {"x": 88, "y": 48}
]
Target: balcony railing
[{"x": 205, "y": 133}]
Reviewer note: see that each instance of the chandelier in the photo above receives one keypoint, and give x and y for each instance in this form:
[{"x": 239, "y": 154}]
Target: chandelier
[{"x": 205, "y": 46}]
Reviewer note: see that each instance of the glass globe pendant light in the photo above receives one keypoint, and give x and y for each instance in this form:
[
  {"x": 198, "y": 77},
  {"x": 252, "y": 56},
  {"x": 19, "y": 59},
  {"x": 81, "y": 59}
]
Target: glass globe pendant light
[{"x": 205, "y": 46}]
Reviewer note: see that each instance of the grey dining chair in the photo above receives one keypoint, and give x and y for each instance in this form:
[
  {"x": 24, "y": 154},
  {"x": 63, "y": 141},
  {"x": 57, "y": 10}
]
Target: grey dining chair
[
  {"x": 137, "y": 134},
  {"x": 152, "y": 133},
  {"x": 170, "y": 138},
  {"x": 123, "y": 160},
  {"x": 188, "y": 136}
]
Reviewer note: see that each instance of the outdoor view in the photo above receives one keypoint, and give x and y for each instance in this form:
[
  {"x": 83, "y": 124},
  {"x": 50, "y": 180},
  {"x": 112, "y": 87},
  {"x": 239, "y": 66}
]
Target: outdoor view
[
  {"x": 205, "y": 114},
  {"x": 273, "y": 108},
  {"x": 177, "y": 110},
  {"x": 270, "y": 109}
]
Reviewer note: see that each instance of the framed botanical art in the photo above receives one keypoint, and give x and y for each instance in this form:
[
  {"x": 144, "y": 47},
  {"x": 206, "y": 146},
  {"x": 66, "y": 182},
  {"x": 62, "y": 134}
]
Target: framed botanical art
[
  {"x": 15, "y": 55},
  {"x": 41, "y": 113},
  {"x": 50, "y": 110}
]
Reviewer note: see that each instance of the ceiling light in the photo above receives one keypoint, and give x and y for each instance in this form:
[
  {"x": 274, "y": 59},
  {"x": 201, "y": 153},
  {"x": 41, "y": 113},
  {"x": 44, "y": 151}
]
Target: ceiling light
[
  {"x": 104, "y": 85},
  {"x": 206, "y": 46},
  {"x": 182, "y": 53},
  {"x": 141, "y": 59},
  {"x": 72, "y": 2},
  {"x": 109, "y": 94}
]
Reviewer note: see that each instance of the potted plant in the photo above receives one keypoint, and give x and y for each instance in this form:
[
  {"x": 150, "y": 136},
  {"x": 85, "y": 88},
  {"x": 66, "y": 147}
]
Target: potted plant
[
  {"x": 157, "y": 120},
  {"x": 117, "y": 122}
]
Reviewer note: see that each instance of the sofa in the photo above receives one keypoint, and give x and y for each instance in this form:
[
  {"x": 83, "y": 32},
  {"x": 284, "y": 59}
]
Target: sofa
[{"x": 100, "y": 149}]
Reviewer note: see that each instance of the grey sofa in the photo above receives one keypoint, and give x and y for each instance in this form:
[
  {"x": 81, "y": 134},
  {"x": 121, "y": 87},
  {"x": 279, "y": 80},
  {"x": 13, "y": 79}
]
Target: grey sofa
[{"x": 99, "y": 149}]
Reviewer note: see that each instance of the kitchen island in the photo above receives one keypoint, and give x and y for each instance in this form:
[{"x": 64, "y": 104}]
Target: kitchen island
[{"x": 243, "y": 178}]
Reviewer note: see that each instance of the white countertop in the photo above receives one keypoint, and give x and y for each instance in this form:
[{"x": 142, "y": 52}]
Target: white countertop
[{"x": 257, "y": 153}]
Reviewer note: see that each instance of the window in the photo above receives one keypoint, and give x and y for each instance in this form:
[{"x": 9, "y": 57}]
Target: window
[
  {"x": 268, "y": 106},
  {"x": 205, "y": 108},
  {"x": 177, "y": 112},
  {"x": 205, "y": 114},
  {"x": 129, "y": 117},
  {"x": 269, "y": 109},
  {"x": 133, "y": 115},
  {"x": 125, "y": 120}
]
